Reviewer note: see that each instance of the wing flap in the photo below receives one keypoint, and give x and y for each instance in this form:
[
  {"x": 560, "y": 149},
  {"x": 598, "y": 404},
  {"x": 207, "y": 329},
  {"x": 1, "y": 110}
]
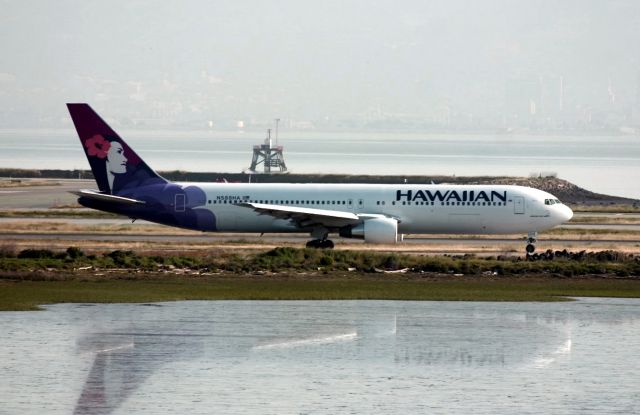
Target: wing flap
[{"x": 103, "y": 197}]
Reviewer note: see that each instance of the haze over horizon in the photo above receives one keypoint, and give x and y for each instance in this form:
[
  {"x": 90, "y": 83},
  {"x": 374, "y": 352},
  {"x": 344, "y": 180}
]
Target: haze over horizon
[{"x": 357, "y": 64}]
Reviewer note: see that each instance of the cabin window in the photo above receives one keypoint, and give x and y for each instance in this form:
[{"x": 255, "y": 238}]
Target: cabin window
[{"x": 393, "y": 203}]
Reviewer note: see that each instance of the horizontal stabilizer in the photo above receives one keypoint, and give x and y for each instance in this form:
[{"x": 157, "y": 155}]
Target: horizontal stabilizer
[{"x": 103, "y": 197}]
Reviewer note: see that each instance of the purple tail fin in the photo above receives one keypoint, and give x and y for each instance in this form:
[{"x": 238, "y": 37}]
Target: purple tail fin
[{"x": 115, "y": 166}]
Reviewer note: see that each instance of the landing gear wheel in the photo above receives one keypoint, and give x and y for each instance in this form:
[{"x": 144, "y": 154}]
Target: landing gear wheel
[
  {"x": 531, "y": 243},
  {"x": 326, "y": 244},
  {"x": 320, "y": 244}
]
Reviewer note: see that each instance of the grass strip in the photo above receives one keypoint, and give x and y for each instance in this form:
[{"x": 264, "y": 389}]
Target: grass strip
[
  {"x": 28, "y": 295},
  {"x": 32, "y": 277}
]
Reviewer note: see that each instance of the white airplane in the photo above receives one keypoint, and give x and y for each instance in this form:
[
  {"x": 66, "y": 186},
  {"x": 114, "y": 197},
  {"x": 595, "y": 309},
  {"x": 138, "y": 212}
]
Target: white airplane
[{"x": 374, "y": 213}]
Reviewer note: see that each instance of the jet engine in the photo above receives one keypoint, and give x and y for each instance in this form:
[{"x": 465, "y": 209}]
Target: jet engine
[{"x": 379, "y": 230}]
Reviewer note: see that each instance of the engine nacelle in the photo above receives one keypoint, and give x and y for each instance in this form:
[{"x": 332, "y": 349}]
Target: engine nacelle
[{"x": 375, "y": 230}]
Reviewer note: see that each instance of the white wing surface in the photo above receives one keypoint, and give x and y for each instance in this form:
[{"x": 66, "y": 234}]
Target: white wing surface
[{"x": 305, "y": 217}]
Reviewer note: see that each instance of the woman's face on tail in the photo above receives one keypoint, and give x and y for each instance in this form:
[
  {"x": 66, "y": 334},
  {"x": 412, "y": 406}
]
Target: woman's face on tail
[{"x": 115, "y": 157}]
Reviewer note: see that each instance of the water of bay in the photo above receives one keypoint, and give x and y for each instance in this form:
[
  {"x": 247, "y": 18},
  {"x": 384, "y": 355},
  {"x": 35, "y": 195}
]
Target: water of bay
[
  {"x": 604, "y": 164},
  {"x": 328, "y": 357}
]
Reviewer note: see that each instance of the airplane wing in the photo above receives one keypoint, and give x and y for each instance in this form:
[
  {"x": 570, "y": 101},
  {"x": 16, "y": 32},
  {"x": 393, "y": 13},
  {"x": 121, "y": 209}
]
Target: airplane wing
[
  {"x": 103, "y": 197},
  {"x": 305, "y": 217}
]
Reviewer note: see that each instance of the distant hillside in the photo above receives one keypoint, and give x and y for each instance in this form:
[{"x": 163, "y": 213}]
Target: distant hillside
[{"x": 564, "y": 190}]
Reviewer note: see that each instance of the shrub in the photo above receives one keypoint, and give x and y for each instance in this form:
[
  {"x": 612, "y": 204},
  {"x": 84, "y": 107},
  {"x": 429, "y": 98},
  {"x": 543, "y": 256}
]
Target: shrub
[
  {"x": 36, "y": 254},
  {"x": 74, "y": 252},
  {"x": 326, "y": 260},
  {"x": 122, "y": 258}
]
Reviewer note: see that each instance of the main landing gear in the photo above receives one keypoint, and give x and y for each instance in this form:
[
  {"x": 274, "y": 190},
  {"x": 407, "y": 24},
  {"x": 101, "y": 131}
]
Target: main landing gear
[
  {"x": 531, "y": 242},
  {"x": 320, "y": 239},
  {"x": 320, "y": 243}
]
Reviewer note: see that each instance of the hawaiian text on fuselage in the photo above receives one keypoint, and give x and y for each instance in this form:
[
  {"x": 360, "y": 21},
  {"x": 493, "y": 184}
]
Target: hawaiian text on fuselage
[{"x": 451, "y": 196}]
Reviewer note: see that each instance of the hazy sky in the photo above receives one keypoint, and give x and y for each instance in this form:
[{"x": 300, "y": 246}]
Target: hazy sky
[{"x": 307, "y": 60}]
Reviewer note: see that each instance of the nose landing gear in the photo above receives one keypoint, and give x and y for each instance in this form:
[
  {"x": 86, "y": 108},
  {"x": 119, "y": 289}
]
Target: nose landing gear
[{"x": 531, "y": 242}]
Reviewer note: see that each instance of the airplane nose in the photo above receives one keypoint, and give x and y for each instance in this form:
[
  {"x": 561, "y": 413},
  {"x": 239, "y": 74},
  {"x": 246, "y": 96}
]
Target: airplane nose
[{"x": 566, "y": 213}]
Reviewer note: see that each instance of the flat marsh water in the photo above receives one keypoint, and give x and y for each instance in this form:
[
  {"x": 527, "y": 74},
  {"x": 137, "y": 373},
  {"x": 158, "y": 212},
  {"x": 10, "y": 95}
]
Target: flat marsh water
[
  {"x": 604, "y": 164},
  {"x": 323, "y": 357}
]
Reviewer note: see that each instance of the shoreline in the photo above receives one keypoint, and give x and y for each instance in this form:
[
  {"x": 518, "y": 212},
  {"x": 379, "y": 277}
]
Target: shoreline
[
  {"x": 33, "y": 277},
  {"x": 29, "y": 295}
]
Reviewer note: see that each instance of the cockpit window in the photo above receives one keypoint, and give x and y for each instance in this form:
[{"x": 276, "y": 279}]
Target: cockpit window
[
  {"x": 557, "y": 201},
  {"x": 552, "y": 201}
]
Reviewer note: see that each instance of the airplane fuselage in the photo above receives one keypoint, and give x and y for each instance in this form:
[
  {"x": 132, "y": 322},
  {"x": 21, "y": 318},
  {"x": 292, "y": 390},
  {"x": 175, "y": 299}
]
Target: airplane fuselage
[{"x": 419, "y": 209}]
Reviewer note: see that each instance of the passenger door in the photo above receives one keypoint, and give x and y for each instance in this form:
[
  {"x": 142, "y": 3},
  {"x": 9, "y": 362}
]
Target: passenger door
[
  {"x": 179, "y": 206},
  {"x": 518, "y": 205}
]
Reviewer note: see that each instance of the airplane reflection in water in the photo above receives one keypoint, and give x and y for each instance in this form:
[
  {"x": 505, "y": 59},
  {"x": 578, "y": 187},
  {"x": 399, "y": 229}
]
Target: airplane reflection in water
[
  {"x": 221, "y": 340},
  {"x": 123, "y": 361}
]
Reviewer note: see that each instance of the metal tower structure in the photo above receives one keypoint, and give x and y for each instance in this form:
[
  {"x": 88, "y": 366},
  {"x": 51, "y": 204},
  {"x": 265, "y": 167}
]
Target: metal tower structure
[{"x": 269, "y": 156}]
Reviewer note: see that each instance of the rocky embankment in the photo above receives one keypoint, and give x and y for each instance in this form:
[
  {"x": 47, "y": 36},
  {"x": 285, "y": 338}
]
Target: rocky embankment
[{"x": 564, "y": 190}]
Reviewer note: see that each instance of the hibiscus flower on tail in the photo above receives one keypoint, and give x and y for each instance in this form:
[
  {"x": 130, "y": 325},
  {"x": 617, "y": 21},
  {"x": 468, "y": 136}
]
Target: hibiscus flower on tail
[{"x": 97, "y": 146}]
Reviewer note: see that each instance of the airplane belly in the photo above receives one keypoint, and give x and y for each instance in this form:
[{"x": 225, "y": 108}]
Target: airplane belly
[
  {"x": 470, "y": 222},
  {"x": 466, "y": 223},
  {"x": 248, "y": 221}
]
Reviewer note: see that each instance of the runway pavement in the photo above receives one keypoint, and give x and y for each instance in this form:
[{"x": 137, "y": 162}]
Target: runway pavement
[
  {"x": 431, "y": 245},
  {"x": 43, "y": 197}
]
